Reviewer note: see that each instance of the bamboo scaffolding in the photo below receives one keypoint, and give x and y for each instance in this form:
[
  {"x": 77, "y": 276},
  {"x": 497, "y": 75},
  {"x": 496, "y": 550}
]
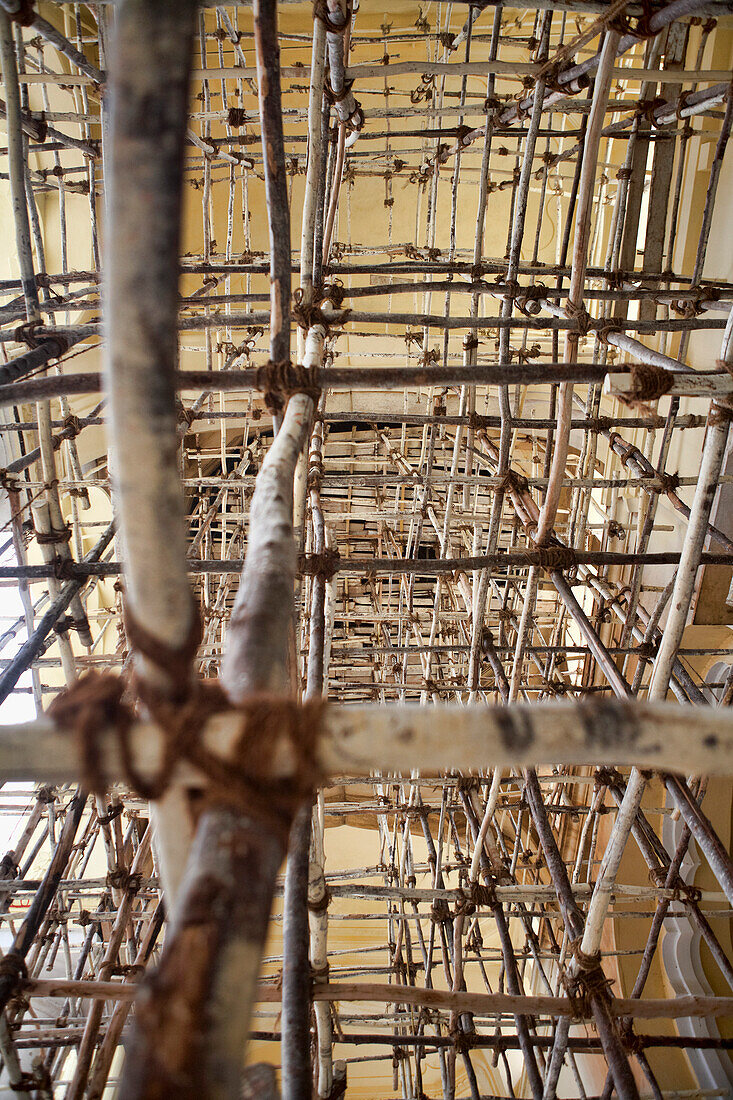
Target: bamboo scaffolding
[{"x": 453, "y": 530}]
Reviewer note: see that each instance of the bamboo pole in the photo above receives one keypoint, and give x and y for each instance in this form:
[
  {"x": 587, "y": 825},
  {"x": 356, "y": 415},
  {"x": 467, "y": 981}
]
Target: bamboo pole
[
  {"x": 25, "y": 936},
  {"x": 142, "y": 292},
  {"x": 313, "y": 166},
  {"x": 31, "y": 649},
  {"x": 16, "y": 157},
  {"x": 273, "y": 152},
  {"x": 365, "y": 737},
  {"x": 577, "y": 277},
  {"x": 433, "y": 513},
  {"x": 296, "y": 980}
]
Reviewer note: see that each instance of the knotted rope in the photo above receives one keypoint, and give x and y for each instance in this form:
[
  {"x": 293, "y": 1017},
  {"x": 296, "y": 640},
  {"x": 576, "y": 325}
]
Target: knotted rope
[
  {"x": 307, "y": 314},
  {"x": 474, "y": 896},
  {"x": 646, "y": 383},
  {"x": 582, "y": 318},
  {"x": 554, "y": 558},
  {"x": 324, "y": 565},
  {"x": 279, "y": 381},
  {"x": 333, "y": 97},
  {"x": 641, "y": 28},
  {"x": 693, "y": 303},
  {"x": 237, "y": 117},
  {"x": 587, "y": 981},
  {"x": 96, "y": 702},
  {"x": 320, "y": 11},
  {"x": 51, "y": 538},
  {"x": 528, "y": 301}
]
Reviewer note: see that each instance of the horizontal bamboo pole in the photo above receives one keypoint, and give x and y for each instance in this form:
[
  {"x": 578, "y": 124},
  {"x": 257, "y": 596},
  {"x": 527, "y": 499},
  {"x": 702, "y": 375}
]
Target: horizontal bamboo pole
[
  {"x": 686, "y": 383},
  {"x": 358, "y": 566},
  {"x": 671, "y": 1009},
  {"x": 448, "y": 69},
  {"x": 200, "y": 322},
  {"x": 359, "y": 739},
  {"x": 485, "y": 1003},
  {"x": 192, "y": 265},
  {"x": 592, "y": 7}
]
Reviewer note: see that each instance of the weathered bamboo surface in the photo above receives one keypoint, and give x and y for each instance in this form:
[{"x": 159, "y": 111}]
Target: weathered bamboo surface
[
  {"x": 414, "y": 350},
  {"x": 393, "y": 738}
]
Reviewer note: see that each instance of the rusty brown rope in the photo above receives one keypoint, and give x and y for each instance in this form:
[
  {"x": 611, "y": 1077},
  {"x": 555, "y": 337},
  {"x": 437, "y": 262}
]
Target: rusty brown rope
[{"x": 96, "y": 702}]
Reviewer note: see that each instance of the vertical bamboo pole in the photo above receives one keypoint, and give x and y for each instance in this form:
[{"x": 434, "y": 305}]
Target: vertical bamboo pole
[
  {"x": 217, "y": 935},
  {"x": 149, "y": 96},
  {"x": 276, "y": 184},
  {"x": 25, "y": 937},
  {"x": 218, "y": 931},
  {"x": 113, "y": 1033},
  {"x": 86, "y": 1048},
  {"x": 577, "y": 277},
  {"x": 16, "y": 158},
  {"x": 296, "y": 983},
  {"x": 716, "y": 440},
  {"x": 313, "y": 166}
]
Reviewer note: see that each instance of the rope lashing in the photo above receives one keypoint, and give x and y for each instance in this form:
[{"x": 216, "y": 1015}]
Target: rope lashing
[
  {"x": 582, "y": 318},
  {"x": 279, "y": 381},
  {"x": 320, "y": 11},
  {"x": 646, "y": 383},
  {"x": 324, "y": 565},
  {"x": 244, "y": 780},
  {"x": 555, "y": 558}
]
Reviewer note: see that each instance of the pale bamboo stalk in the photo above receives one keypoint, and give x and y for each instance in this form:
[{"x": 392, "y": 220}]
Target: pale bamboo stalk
[
  {"x": 141, "y": 273},
  {"x": 42, "y": 526},
  {"x": 697, "y": 528},
  {"x": 620, "y": 688},
  {"x": 371, "y": 71},
  {"x": 706, "y": 837},
  {"x": 48, "y": 32},
  {"x": 627, "y": 344},
  {"x": 649, "y": 1009},
  {"x": 599, "y": 999},
  {"x": 221, "y": 871},
  {"x": 312, "y": 357},
  {"x": 345, "y": 105},
  {"x": 23, "y": 592},
  {"x": 523, "y": 631},
  {"x": 257, "y": 639},
  {"x": 17, "y": 160},
  {"x": 313, "y": 167},
  {"x": 12, "y": 1062},
  {"x": 56, "y": 524},
  {"x": 333, "y": 200},
  {"x": 317, "y": 620},
  {"x": 141, "y": 290},
  {"x": 199, "y": 322},
  {"x": 398, "y": 737},
  {"x": 318, "y": 925},
  {"x": 234, "y": 852},
  {"x": 255, "y": 660},
  {"x": 601, "y": 93}
]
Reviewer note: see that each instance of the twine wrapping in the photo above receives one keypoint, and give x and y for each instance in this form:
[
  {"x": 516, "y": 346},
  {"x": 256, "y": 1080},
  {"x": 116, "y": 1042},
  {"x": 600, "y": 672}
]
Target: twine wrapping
[
  {"x": 244, "y": 780},
  {"x": 646, "y": 383},
  {"x": 279, "y": 381}
]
